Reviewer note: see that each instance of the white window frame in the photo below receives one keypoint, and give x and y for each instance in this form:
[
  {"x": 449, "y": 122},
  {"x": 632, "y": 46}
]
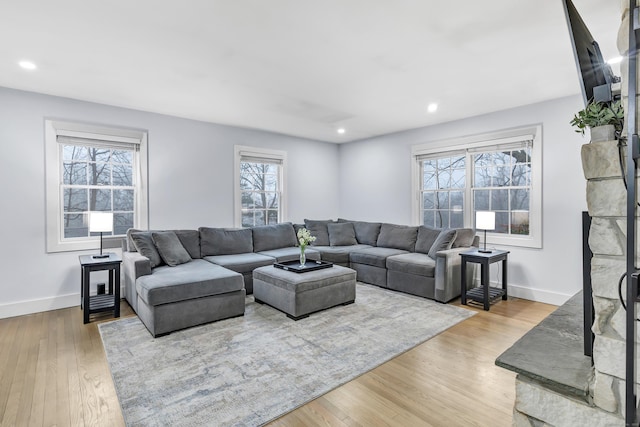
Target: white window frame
[
  {"x": 488, "y": 140},
  {"x": 266, "y": 154},
  {"x": 54, "y": 218}
]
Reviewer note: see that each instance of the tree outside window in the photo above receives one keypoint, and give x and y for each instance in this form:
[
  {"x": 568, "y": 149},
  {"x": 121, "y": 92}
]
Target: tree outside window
[
  {"x": 443, "y": 191},
  {"x": 502, "y": 183},
  {"x": 498, "y": 180},
  {"x": 260, "y": 193},
  {"x": 96, "y": 179}
]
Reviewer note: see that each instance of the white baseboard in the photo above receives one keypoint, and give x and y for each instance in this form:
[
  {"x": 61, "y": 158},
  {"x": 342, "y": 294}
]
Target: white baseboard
[
  {"x": 539, "y": 295},
  {"x": 43, "y": 304},
  {"x": 532, "y": 294}
]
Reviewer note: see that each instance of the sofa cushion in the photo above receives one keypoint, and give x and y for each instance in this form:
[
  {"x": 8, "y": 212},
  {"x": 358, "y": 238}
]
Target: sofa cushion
[
  {"x": 341, "y": 234},
  {"x": 376, "y": 256},
  {"x": 318, "y": 229},
  {"x": 194, "y": 279},
  {"x": 225, "y": 241},
  {"x": 366, "y": 232},
  {"x": 266, "y": 237},
  {"x": 291, "y": 254},
  {"x": 169, "y": 247},
  {"x": 338, "y": 254},
  {"x": 443, "y": 242},
  {"x": 413, "y": 263},
  {"x": 398, "y": 237},
  {"x": 426, "y": 238},
  {"x": 242, "y": 263},
  {"x": 190, "y": 239},
  {"x": 464, "y": 238},
  {"x": 143, "y": 242}
]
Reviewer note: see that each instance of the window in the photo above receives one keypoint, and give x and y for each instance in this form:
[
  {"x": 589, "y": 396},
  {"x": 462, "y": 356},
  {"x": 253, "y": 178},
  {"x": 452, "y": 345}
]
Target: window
[
  {"x": 259, "y": 186},
  {"x": 499, "y": 172},
  {"x": 443, "y": 184},
  {"x": 93, "y": 169}
]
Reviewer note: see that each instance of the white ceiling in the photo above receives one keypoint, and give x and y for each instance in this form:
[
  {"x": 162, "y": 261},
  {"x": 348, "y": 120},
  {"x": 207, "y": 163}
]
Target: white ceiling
[{"x": 301, "y": 67}]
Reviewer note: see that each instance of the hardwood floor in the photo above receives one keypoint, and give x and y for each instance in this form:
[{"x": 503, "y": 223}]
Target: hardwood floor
[{"x": 53, "y": 371}]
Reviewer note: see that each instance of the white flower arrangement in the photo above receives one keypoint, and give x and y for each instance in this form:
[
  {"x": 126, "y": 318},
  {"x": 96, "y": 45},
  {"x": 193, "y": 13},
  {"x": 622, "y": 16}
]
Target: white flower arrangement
[{"x": 305, "y": 238}]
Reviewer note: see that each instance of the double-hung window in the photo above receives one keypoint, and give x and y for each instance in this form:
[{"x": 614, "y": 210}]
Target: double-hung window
[
  {"x": 499, "y": 172},
  {"x": 259, "y": 194},
  {"x": 93, "y": 169}
]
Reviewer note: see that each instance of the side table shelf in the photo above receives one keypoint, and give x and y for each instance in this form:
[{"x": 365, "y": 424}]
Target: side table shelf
[{"x": 477, "y": 294}]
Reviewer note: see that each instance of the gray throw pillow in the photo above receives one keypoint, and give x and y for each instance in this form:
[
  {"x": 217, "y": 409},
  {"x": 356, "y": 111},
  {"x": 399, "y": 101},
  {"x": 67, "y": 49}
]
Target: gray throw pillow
[
  {"x": 443, "y": 242},
  {"x": 464, "y": 238},
  {"x": 367, "y": 232},
  {"x": 426, "y": 238},
  {"x": 318, "y": 229},
  {"x": 342, "y": 234},
  {"x": 225, "y": 241},
  {"x": 145, "y": 246},
  {"x": 398, "y": 237},
  {"x": 275, "y": 236},
  {"x": 170, "y": 248}
]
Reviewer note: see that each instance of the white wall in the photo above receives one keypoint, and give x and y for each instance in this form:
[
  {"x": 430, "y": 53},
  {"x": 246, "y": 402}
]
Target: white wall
[
  {"x": 190, "y": 185},
  {"x": 375, "y": 177}
]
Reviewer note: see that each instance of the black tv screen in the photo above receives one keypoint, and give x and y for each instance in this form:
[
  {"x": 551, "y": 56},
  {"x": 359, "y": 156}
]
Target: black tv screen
[{"x": 595, "y": 74}]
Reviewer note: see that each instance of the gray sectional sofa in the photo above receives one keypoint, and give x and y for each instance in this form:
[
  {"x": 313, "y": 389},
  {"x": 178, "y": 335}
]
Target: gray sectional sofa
[
  {"x": 413, "y": 259},
  {"x": 175, "y": 279}
]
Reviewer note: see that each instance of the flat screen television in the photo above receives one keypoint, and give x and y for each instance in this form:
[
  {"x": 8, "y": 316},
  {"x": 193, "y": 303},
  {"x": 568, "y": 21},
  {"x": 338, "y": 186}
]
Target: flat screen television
[{"x": 595, "y": 74}]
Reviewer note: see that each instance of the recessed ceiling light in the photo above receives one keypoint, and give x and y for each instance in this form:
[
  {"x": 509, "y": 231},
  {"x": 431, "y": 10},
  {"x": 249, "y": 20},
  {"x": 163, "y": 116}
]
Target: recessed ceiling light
[
  {"x": 432, "y": 107},
  {"x": 615, "y": 60},
  {"x": 27, "y": 65},
  {"x": 341, "y": 130}
]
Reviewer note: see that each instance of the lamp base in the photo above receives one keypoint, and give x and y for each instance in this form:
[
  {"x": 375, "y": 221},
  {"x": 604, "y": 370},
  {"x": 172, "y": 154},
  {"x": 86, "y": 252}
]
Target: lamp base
[
  {"x": 485, "y": 251},
  {"x": 100, "y": 256}
]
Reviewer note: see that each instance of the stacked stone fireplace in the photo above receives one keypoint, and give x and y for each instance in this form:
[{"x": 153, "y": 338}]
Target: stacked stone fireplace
[{"x": 603, "y": 403}]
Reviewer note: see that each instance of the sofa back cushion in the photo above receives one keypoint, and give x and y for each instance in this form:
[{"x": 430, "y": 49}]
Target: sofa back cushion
[
  {"x": 318, "y": 229},
  {"x": 342, "y": 234},
  {"x": 190, "y": 239},
  {"x": 464, "y": 238},
  {"x": 276, "y": 236},
  {"x": 398, "y": 237},
  {"x": 366, "y": 232},
  {"x": 225, "y": 241},
  {"x": 443, "y": 242},
  {"x": 426, "y": 238},
  {"x": 170, "y": 248}
]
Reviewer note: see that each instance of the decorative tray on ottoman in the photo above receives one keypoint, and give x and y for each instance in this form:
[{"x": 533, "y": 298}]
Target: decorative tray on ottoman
[{"x": 295, "y": 267}]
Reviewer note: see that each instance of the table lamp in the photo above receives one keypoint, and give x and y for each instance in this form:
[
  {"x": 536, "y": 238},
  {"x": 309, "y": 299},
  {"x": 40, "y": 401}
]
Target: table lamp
[
  {"x": 485, "y": 220},
  {"x": 101, "y": 222}
]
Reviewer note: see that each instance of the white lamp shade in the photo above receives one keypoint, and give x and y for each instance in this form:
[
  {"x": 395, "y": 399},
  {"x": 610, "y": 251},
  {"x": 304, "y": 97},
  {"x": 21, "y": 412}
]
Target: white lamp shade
[
  {"x": 485, "y": 220},
  {"x": 100, "y": 222}
]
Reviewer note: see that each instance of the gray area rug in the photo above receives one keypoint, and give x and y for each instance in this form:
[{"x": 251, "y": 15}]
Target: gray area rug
[{"x": 250, "y": 370}]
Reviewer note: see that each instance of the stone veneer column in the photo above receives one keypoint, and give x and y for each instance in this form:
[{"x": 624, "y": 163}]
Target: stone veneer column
[{"x": 606, "y": 201}]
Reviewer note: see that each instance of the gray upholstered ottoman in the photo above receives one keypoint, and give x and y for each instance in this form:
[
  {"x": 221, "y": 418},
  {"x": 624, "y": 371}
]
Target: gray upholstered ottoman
[{"x": 300, "y": 294}]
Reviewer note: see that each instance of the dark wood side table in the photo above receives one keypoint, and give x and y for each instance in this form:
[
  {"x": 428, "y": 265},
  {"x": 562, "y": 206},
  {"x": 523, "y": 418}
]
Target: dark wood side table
[
  {"x": 109, "y": 301},
  {"x": 485, "y": 293}
]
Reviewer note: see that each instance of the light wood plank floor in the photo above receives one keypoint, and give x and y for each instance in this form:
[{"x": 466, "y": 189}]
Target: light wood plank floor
[{"x": 53, "y": 371}]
